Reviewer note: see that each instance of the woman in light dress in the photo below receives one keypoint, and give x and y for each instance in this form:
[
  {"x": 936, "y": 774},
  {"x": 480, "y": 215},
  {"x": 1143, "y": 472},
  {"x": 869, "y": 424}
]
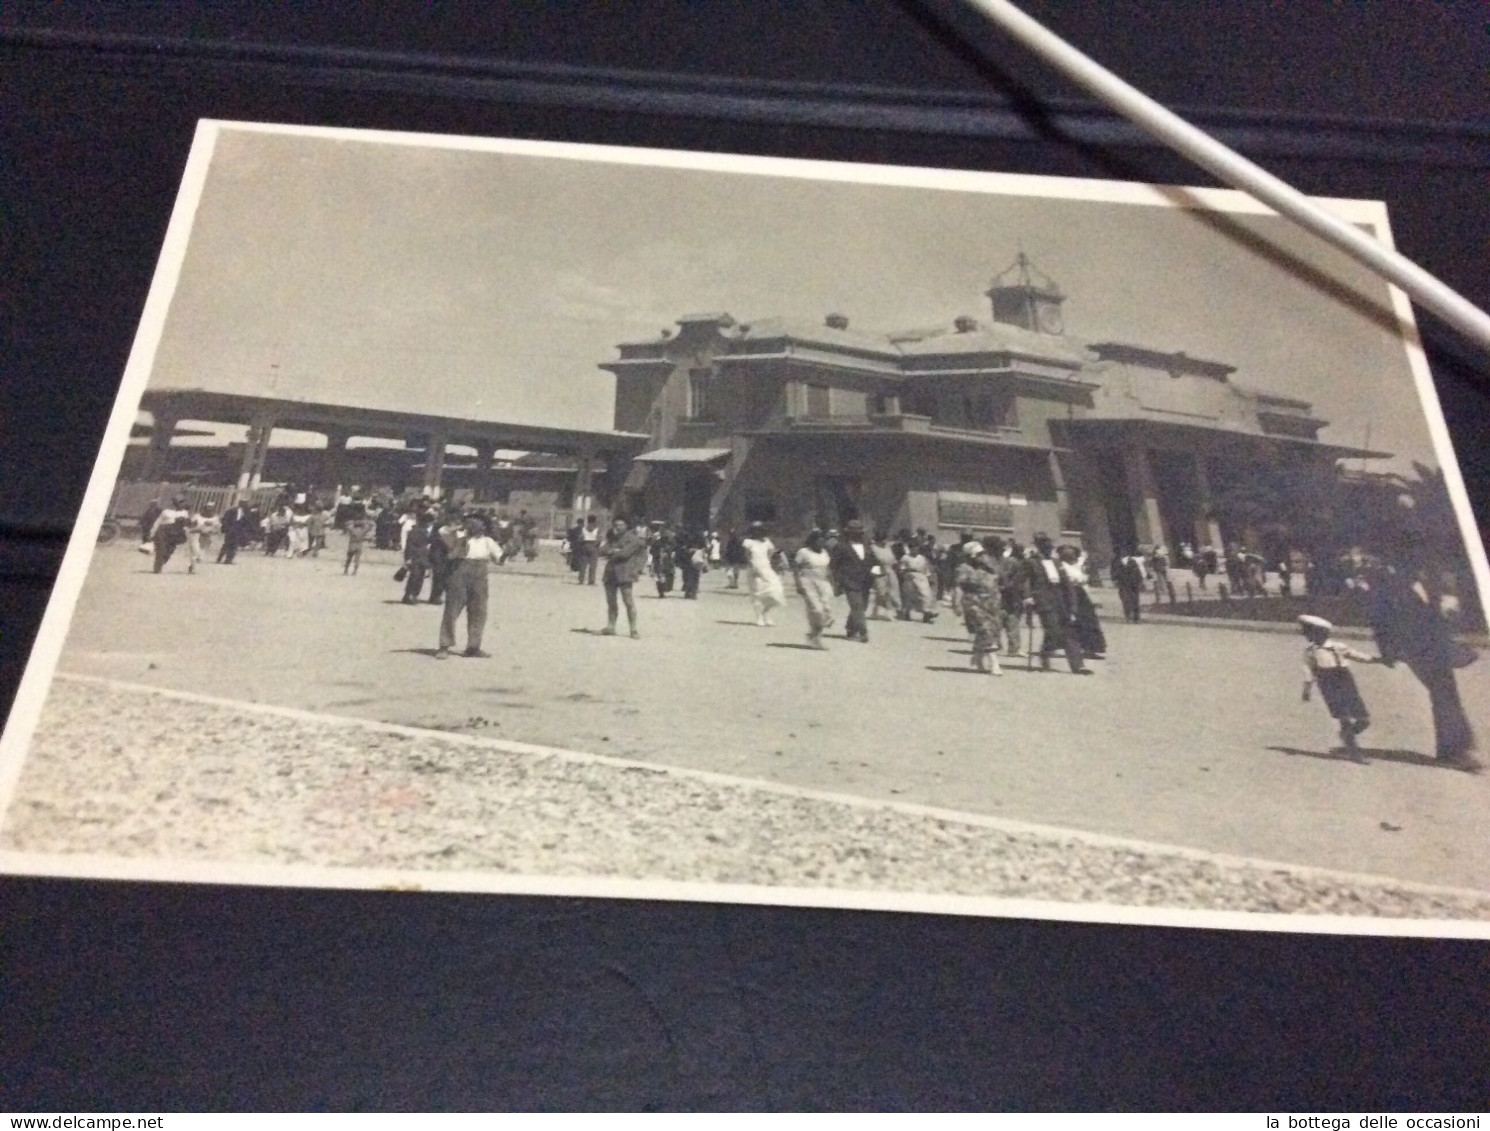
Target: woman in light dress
[
  {"x": 299, "y": 545},
  {"x": 766, "y": 591},
  {"x": 977, "y": 599},
  {"x": 916, "y": 592},
  {"x": 884, "y": 599},
  {"x": 813, "y": 570}
]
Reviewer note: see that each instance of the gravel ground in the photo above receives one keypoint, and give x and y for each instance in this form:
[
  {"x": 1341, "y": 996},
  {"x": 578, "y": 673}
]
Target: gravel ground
[{"x": 138, "y": 773}]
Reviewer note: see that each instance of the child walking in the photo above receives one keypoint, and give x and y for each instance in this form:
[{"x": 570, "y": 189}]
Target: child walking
[
  {"x": 358, "y": 531},
  {"x": 1326, "y": 665}
]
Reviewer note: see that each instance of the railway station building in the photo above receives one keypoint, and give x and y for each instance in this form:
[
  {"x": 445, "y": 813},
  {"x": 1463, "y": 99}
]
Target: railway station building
[{"x": 1002, "y": 424}]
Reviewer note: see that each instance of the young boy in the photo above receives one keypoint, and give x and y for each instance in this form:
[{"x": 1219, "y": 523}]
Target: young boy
[
  {"x": 1326, "y": 665},
  {"x": 358, "y": 531}
]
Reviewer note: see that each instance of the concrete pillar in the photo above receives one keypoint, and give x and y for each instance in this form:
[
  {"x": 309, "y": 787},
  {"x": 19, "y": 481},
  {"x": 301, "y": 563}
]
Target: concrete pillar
[
  {"x": 333, "y": 459},
  {"x": 250, "y": 458},
  {"x": 255, "y": 453},
  {"x": 584, "y": 497},
  {"x": 1143, "y": 496},
  {"x": 434, "y": 463},
  {"x": 158, "y": 456},
  {"x": 1083, "y": 478},
  {"x": 1207, "y": 529},
  {"x": 485, "y": 451},
  {"x": 1062, "y": 494}
]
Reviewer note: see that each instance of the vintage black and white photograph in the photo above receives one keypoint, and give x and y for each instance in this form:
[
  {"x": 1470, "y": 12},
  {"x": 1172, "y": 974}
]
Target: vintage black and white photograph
[{"x": 514, "y": 516}]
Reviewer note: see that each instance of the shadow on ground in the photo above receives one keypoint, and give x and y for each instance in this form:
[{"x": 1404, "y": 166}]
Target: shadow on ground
[{"x": 1363, "y": 756}]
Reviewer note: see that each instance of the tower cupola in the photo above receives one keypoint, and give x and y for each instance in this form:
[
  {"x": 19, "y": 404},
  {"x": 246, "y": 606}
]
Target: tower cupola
[{"x": 1025, "y": 297}]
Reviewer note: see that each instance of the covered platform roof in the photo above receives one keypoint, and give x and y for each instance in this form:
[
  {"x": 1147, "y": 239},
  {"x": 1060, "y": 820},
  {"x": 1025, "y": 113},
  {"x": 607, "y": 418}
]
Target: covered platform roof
[{"x": 311, "y": 416}]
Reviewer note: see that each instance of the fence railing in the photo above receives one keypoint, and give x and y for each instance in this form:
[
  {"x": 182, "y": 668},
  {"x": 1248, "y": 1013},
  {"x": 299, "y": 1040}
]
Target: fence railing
[{"x": 131, "y": 499}]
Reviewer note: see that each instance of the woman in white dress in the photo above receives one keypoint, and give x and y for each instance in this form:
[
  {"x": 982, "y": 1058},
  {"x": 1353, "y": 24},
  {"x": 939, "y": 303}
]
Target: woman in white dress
[
  {"x": 915, "y": 583},
  {"x": 813, "y": 569},
  {"x": 767, "y": 593}
]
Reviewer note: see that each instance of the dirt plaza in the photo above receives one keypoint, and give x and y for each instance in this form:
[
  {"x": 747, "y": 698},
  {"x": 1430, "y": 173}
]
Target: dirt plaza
[{"x": 1187, "y": 735}]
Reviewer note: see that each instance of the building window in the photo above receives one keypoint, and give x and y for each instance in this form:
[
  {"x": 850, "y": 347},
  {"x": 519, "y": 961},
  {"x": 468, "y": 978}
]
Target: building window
[
  {"x": 988, "y": 411},
  {"x": 698, "y": 394},
  {"x": 817, "y": 407},
  {"x": 966, "y": 511}
]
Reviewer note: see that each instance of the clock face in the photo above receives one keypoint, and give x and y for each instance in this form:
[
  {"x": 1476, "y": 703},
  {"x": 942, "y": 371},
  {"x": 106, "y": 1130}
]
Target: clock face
[{"x": 1048, "y": 319}]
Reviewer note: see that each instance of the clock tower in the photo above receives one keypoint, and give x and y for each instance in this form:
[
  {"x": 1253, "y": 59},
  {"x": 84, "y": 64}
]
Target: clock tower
[{"x": 1024, "y": 297}]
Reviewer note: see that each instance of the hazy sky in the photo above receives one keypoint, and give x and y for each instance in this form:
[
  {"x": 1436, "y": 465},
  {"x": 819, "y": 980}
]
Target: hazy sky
[{"x": 487, "y": 284}]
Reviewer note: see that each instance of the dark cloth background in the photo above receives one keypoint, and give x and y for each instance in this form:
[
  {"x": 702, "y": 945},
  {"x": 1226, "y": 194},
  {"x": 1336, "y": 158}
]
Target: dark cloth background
[{"x": 130, "y": 996}]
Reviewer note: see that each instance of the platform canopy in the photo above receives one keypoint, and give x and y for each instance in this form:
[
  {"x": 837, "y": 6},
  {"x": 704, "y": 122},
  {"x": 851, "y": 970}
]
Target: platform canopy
[{"x": 311, "y": 416}]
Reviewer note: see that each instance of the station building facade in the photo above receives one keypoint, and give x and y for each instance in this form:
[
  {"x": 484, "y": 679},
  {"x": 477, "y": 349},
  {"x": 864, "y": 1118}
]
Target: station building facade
[{"x": 1003, "y": 424}]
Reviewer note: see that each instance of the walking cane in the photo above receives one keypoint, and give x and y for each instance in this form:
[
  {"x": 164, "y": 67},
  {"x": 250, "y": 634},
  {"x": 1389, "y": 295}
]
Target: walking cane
[{"x": 1029, "y": 635}]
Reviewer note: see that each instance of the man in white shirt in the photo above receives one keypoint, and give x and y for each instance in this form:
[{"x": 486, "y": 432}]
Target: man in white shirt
[
  {"x": 406, "y": 522},
  {"x": 589, "y": 547},
  {"x": 466, "y": 587}
]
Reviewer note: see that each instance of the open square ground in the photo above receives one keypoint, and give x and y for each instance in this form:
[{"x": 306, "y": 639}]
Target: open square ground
[{"x": 796, "y": 766}]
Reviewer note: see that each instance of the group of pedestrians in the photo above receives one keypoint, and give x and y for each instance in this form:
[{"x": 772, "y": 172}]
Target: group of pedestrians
[
  {"x": 164, "y": 529},
  {"x": 293, "y": 526},
  {"x": 998, "y": 588},
  {"x": 993, "y": 585}
]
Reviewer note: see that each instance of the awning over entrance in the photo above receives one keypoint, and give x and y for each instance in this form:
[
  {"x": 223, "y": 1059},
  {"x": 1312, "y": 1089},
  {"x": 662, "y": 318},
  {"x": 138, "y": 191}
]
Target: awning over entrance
[{"x": 683, "y": 455}]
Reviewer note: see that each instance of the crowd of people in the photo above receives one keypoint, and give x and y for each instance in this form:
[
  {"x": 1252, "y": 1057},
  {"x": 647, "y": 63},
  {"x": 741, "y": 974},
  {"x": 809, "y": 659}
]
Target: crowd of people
[
  {"x": 1001, "y": 590},
  {"x": 1237, "y": 571},
  {"x": 994, "y": 585},
  {"x": 295, "y": 525}
]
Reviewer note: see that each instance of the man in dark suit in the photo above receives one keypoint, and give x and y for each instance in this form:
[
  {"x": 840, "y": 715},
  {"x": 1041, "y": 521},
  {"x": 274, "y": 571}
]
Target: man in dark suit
[
  {"x": 416, "y": 555},
  {"x": 1128, "y": 576},
  {"x": 234, "y": 527},
  {"x": 853, "y": 566},
  {"x": 1051, "y": 596},
  {"x": 442, "y": 537}
]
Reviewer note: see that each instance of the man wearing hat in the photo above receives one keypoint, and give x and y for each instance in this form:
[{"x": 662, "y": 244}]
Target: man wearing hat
[
  {"x": 466, "y": 587},
  {"x": 1050, "y": 595},
  {"x": 235, "y": 522},
  {"x": 1327, "y": 666},
  {"x": 854, "y": 567}
]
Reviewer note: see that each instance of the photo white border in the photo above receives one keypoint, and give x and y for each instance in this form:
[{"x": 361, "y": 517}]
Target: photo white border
[{"x": 46, "y": 653}]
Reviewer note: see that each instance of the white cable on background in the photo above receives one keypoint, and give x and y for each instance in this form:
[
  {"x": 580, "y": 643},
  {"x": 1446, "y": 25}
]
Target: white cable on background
[{"x": 1238, "y": 172}]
